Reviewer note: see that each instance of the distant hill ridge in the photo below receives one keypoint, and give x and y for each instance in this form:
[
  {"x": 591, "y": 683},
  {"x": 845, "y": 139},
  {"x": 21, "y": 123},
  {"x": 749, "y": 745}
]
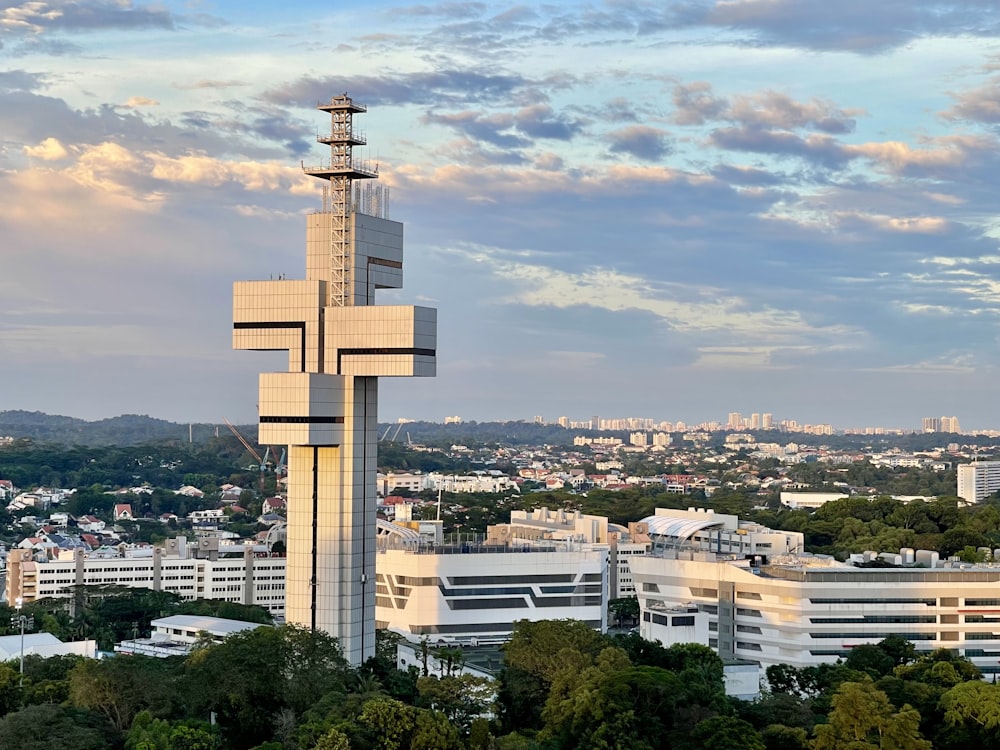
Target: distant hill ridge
[
  {"x": 127, "y": 429},
  {"x": 135, "y": 429}
]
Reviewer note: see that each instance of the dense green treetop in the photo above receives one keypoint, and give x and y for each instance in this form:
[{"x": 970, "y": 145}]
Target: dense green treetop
[{"x": 285, "y": 688}]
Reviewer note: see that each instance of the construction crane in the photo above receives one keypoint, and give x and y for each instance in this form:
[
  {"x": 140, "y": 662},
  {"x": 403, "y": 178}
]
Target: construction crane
[
  {"x": 261, "y": 460},
  {"x": 279, "y": 468}
]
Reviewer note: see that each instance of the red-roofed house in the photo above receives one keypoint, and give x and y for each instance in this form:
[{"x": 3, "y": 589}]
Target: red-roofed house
[
  {"x": 273, "y": 505},
  {"x": 123, "y": 512}
]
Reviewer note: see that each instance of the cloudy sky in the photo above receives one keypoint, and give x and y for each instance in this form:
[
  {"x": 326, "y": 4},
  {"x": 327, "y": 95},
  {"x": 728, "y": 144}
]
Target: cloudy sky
[{"x": 672, "y": 209}]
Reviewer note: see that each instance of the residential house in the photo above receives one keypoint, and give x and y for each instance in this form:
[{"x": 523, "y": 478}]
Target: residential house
[
  {"x": 90, "y": 524},
  {"x": 274, "y": 505}
]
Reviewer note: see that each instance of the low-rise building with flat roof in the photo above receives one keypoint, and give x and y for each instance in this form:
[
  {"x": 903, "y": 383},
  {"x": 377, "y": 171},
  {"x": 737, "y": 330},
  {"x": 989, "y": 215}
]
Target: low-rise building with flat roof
[{"x": 177, "y": 635}]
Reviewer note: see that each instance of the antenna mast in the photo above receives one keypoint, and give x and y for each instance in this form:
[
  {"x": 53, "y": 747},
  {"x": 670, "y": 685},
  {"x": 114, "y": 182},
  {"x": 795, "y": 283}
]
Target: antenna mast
[{"x": 341, "y": 171}]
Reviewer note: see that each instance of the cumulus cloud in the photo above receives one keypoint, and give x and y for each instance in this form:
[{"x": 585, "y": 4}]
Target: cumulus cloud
[
  {"x": 439, "y": 87},
  {"x": 22, "y": 111},
  {"x": 140, "y": 101},
  {"x": 510, "y": 129},
  {"x": 695, "y": 104},
  {"x": 115, "y": 179},
  {"x": 978, "y": 104},
  {"x": 943, "y": 155},
  {"x": 641, "y": 141},
  {"x": 855, "y": 26},
  {"x": 850, "y": 25},
  {"x": 818, "y": 148},
  {"x": 21, "y": 80},
  {"x": 494, "y": 129},
  {"x": 29, "y": 16},
  {"x": 48, "y": 150},
  {"x": 37, "y": 16}
]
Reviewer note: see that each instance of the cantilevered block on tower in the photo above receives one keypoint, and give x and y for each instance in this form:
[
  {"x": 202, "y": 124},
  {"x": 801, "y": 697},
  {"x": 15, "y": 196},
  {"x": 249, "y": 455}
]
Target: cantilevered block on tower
[{"x": 325, "y": 407}]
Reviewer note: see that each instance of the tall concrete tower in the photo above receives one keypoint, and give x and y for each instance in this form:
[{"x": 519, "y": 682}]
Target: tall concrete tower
[{"x": 324, "y": 408}]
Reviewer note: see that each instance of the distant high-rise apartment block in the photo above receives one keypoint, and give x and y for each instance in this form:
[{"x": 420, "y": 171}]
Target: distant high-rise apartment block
[
  {"x": 755, "y": 422},
  {"x": 940, "y": 424},
  {"x": 766, "y": 421},
  {"x": 595, "y": 423},
  {"x": 564, "y": 421},
  {"x": 325, "y": 407},
  {"x": 978, "y": 480},
  {"x": 735, "y": 421}
]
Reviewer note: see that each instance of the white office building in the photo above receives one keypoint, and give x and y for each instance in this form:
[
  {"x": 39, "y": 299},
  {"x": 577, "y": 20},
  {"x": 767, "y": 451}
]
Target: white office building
[
  {"x": 177, "y": 635},
  {"x": 567, "y": 525},
  {"x": 474, "y": 592},
  {"x": 197, "y": 571},
  {"x": 44, "y": 645},
  {"x": 978, "y": 480},
  {"x": 804, "y": 610}
]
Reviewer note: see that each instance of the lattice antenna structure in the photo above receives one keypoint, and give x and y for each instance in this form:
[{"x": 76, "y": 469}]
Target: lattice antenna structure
[{"x": 341, "y": 171}]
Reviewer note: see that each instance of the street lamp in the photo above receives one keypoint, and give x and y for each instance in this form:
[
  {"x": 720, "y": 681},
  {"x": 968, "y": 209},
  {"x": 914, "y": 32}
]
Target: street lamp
[{"x": 24, "y": 621}]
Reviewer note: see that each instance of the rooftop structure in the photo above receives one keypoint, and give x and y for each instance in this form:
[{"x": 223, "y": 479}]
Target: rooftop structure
[
  {"x": 177, "y": 635},
  {"x": 325, "y": 407},
  {"x": 43, "y": 644}
]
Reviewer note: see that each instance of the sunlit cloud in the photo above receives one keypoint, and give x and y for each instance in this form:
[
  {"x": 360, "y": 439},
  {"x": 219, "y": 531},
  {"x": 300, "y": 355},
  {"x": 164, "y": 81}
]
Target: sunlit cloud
[
  {"x": 704, "y": 311},
  {"x": 141, "y": 101}
]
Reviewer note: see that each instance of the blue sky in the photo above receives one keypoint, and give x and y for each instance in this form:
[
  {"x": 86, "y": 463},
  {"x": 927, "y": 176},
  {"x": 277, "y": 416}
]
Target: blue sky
[{"x": 665, "y": 209}]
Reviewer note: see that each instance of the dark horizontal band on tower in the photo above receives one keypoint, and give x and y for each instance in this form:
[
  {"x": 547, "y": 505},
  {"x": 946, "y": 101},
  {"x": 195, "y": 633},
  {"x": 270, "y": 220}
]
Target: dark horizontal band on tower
[
  {"x": 277, "y": 325},
  {"x": 402, "y": 351},
  {"x": 384, "y": 262},
  {"x": 301, "y": 420},
  {"x": 270, "y": 324}
]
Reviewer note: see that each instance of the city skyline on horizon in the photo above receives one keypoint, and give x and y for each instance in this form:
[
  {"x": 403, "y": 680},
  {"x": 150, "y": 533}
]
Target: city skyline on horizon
[
  {"x": 616, "y": 207},
  {"x": 779, "y": 423}
]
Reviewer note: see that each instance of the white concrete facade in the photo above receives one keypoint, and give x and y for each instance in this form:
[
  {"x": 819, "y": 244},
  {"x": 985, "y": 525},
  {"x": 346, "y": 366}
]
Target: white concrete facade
[
  {"x": 44, "y": 645},
  {"x": 569, "y": 525},
  {"x": 176, "y": 635},
  {"x": 978, "y": 480},
  {"x": 325, "y": 407},
  {"x": 805, "y": 611},
  {"x": 456, "y": 595},
  {"x": 245, "y": 579}
]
